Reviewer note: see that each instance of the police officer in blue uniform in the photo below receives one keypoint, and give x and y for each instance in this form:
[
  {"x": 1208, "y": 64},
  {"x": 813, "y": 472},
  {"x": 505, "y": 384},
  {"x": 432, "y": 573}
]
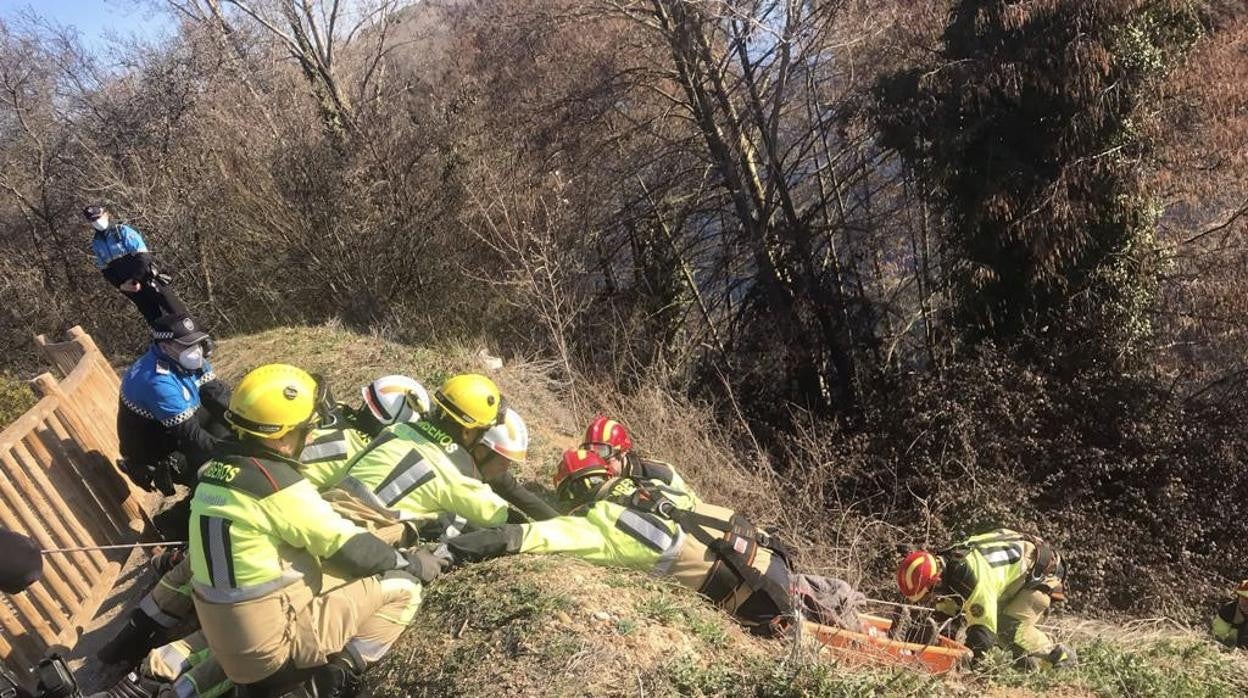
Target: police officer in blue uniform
[
  {"x": 172, "y": 412},
  {"x": 122, "y": 257}
]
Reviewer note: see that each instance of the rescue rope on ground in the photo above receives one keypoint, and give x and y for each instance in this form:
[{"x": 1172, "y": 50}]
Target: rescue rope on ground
[{"x": 124, "y": 546}]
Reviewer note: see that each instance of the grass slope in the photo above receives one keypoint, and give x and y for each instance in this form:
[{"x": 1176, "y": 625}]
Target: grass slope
[{"x": 551, "y": 626}]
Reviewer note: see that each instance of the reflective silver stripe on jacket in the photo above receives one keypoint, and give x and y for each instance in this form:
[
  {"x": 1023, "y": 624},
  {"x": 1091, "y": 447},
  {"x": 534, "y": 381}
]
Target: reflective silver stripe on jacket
[
  {"x": 410, "y": 473},
  {"x": 215, "y": 534},
  {"x": 164, "y": 620},
  {"x": 328, "y": 450},
  {"x": 361, "y": 492},
  {"x": 646, "y": 530},
  {"x": 247, "y": 593},
  {"x": 668, "y": 558}
]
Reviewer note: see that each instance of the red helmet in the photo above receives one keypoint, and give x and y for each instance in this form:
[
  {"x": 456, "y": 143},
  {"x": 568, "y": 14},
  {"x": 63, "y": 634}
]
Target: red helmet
[
  {"x": 918, "y": 574},
  {"x": 607, "y": 437},
  {"x": 579, "y": 471}
]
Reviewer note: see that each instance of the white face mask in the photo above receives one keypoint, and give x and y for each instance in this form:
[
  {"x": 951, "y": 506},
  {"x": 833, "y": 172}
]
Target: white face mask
[
  {"x": 192, "y": 358},
  {"x": 101, "y": 223}
]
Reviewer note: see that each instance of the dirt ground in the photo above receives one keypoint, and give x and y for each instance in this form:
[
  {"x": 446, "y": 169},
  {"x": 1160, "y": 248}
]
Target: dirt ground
[{"x": 135, "y": 579}]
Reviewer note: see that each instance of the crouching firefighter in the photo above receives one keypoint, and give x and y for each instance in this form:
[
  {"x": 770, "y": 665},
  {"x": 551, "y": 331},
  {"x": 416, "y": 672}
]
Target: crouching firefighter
[
  {"x": 342, "y": 432},
  {"x": 1230, "y": 623},
  {"x": 1002, "y": 583},
  {"x": 260, "y": 535},
  {"x": 621, "y": 522}
]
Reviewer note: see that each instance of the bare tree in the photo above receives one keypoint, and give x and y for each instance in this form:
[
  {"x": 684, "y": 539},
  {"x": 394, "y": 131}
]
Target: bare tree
[{"x": 315, "y": 35}]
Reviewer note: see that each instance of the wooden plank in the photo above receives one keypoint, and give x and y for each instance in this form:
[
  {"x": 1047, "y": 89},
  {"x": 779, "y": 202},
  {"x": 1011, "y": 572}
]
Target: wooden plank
[
  {"x": 33, "y": 619},
  {"x": 18, "y": 427},
  {"x": 128, "y": 497},
  {"x": 11, "y": 661},
  {"x": 25, "y": 648},
  {"x": 35, "y": 527},
  {"x": 53, "y": 569},
  {"x": 52, "y": 610},
  {"x": 97, "y": 512},
  {"x": 62, "y": 518},
  {"x": 98, "y": 478}
]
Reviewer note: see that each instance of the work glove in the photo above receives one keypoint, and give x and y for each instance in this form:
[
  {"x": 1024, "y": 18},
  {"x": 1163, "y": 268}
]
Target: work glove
[
  {"x": 486, "y": 544},
  {"x": 426, "y": 563}
]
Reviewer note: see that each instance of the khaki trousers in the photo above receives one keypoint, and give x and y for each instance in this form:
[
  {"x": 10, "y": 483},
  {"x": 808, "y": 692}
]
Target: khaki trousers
[
  {"x": 1018, "y": 622},
  {"x": 253, "y": 639},
  {"x": 169, "y": 602}
]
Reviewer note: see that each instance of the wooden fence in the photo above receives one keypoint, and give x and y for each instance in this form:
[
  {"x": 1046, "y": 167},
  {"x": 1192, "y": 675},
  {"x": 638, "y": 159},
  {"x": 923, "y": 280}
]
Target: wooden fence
[{"x": 59, "y": 485}]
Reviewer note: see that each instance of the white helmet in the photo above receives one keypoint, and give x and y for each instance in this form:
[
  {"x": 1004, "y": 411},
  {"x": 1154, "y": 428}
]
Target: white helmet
[
  {"x": 394, "y": 399},
  {"x": 510, "y": 439}
]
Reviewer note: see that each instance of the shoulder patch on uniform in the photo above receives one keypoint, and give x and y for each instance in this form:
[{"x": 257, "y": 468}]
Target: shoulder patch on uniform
[
  {"x": 253, "y": 476},
  {"x": 976, "y": 611}
]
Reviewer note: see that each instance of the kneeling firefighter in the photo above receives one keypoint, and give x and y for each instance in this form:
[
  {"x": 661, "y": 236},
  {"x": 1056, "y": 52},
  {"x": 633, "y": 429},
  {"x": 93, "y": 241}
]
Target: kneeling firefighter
[
  {"x": 1003, "y": 583},
  {"x": 622, "y": 522},
  {"x": 1230, "y": 623},
  {"x": 260, "y": 534}
]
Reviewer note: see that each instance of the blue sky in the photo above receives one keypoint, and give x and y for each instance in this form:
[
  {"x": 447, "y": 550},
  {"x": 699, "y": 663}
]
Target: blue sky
[{"x": 96, "y": 20}]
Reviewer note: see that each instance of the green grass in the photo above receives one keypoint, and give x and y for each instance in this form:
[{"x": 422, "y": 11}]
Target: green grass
[
  {"x": 15, "y": 398},
  {"x": 524, "y": 626},
  {"x": 1166, "y": 667}
]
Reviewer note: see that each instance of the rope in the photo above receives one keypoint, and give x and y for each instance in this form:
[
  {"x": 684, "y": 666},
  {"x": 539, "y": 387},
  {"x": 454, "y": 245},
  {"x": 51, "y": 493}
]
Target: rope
[{"x": 126, "y": 546}]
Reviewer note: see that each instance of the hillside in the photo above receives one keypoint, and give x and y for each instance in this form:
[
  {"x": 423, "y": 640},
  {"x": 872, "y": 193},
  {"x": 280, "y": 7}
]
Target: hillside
[{"x": 536, "y": 626}]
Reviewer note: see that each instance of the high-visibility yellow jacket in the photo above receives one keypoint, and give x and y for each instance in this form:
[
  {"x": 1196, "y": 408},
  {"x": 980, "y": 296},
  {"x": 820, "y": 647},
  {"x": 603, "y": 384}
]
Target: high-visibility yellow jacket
[
  {"x": 982, "y": 573},
  {"x": 258, "y": 525},
  {"x": 612, "y": 531},
  {"x": 403, "y": 473},
  {"x": 1229, "y": 625},
  {"x": 324, "y": 460}
]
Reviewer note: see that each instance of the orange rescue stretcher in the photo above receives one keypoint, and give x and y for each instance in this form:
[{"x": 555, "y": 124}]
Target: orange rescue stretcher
[{"x": 873, "y": 646}]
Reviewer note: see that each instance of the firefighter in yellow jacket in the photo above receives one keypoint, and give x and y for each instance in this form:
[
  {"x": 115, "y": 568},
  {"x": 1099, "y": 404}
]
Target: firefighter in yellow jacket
[
  {"x": 623, "y": 522},
  {"x": 1230, "y": 623},
  {"x": 414, "y": 471},
  {"x": 1002, "y": 583},
  {"x": 168, "y": 606},
  {"x": 261, "y": 536},
  {"x": 185, "y": 666}
]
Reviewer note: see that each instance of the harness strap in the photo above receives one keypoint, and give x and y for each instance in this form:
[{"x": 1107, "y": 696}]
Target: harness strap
[
  {"x": 748, "y": 574},
  {"x": 648, "y": 499}
]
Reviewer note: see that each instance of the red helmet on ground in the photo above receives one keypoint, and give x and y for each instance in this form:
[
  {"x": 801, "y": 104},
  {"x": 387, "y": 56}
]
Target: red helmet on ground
[
  {"x": 579, "y": 472},
  {"x": 607, "y": 437},
  {"x": 918, "y": 574}
]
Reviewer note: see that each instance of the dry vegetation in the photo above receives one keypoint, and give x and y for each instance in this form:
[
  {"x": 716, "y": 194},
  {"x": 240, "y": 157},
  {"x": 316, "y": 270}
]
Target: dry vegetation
[
  {"x": 550, "y": 626},
  {"x": 920, "y": 270}
]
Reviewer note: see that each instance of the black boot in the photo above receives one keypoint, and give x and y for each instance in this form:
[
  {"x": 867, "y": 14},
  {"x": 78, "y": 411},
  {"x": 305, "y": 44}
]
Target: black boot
[
  {"x": 137, "y": 637},
  {"x": 339, "y": 678}
]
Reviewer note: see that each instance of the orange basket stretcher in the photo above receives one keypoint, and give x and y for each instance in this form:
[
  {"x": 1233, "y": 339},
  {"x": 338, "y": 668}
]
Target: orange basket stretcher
[{"x": 873, "y": 646}]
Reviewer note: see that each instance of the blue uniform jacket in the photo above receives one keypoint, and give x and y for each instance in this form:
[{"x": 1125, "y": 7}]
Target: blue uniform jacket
[
  {"x": 166, "y": 408},
  {"x": 159, "y": 389},
  {"x": 121, "y": 255},
  {"x": 116, "y": 242}
]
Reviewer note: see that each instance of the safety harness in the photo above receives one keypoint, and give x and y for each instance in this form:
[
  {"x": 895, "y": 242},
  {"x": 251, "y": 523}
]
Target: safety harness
[
  {"x": 1046, "y": 565},
  {"x": 734, "y": 550}
]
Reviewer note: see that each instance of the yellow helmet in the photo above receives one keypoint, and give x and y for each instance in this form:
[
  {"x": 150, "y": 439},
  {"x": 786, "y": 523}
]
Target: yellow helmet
[
  {"x": 470, "y": 399},
  {"x": 272, "y": 400}
]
